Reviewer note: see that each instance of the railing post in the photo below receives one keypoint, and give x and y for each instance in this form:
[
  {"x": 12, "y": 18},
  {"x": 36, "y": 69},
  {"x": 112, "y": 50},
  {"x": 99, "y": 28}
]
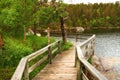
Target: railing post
[
  {"x": 59, "y": 46},
  {"x": 75, "y": 57},
  {"x": 79, "y": 70},
  {"x": 76, "y": 37},
  {"x": 26, "y": 73},
  {"x": 50, "y": 54}
]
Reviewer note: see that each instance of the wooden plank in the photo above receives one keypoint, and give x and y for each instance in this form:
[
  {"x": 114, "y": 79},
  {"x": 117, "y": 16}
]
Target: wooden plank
[
  {"x": 23, "y": 67},
  {"x": 26, "y": 73},
  {"x": 84, "y": 77},
  {"x": 37, "y": 53},
  {"x": 37, "y": 64},
  {"x": 50, "y": 54},
  {"x": 20, "y": 69},
  {"x": 87, "y": 41},
  {"x": 59, "y": 70},
  {"x": 92, "y": 70},
  {"x": 88, "y": 66},
  {"x": 54, "y": 50},
  {"x": 59, "y": 46},
  {"x": 53, "y": 44}
]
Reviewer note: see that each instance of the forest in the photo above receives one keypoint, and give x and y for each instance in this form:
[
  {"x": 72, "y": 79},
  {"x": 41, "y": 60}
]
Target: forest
[
  {"x": 18, "y": 16},
  {"x": 94, "y": 15}
]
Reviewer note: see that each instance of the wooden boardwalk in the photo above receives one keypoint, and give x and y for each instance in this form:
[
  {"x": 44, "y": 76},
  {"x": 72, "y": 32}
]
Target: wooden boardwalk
[{"x": 62, "y": 67}]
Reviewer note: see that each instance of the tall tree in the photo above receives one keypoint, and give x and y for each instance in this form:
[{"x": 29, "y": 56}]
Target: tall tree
[{"x": 62, "y": 16}]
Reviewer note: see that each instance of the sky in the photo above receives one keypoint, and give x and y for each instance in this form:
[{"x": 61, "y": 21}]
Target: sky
[{"x": 89, "y": 1}]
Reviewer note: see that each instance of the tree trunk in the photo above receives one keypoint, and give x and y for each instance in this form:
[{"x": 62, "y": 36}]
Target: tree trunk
[
  {"x": 64, "y": 35},
  {"x": 1, "y": 41}
]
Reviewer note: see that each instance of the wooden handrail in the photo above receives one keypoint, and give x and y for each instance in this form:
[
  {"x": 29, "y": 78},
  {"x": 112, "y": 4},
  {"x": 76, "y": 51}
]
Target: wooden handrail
[
  {"x": 85, "y": 70},
  {"x": 23, "y": 67}
]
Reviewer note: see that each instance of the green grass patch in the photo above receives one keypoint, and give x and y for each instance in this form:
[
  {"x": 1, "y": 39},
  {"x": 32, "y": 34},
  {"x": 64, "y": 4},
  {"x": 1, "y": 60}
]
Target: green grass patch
[{"x": 66, "y": 46}]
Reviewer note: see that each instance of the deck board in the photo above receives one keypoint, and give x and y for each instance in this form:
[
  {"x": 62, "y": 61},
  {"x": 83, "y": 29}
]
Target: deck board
[{"x": 62, "y": 67}]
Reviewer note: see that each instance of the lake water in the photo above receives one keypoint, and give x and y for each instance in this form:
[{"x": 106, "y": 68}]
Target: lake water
[
  {"x": 107, "y": 47},
  {"x": 108, "y": 44}
]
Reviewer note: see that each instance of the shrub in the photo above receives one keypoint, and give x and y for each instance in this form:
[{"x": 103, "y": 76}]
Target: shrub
[
  {"x": 12, "y": 52},
  {"x": 6, "y": 73},
  {"x": 14, "y": 49},
  {"x": 37, "y": 42}
]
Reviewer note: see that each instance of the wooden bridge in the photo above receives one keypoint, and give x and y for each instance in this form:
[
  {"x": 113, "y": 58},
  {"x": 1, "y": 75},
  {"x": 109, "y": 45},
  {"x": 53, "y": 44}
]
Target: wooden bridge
[{"x": 68, "y": 65}]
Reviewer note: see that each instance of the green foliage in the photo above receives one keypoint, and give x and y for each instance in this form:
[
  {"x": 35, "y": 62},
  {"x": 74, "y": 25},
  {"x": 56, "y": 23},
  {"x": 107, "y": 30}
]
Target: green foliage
[
  {"x": 15, "y": 49},
  {"x": 16, "y": 14},
  {"x": 36, "y": 42},
  {"x": 6, "y": 73},
  {"x": 12, "y": 52},
  {"x": 66, "y": 46},
  {"x": 93, "y": 15},
  {"x": 46, "y": 15}
]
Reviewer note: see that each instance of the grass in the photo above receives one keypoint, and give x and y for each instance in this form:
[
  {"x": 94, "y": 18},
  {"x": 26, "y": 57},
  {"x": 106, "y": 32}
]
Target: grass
[{"x": 14, "y": 50}]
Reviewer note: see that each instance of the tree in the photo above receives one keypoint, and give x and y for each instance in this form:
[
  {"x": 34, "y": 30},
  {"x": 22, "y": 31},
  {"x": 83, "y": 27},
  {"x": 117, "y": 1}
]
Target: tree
[{"x": 62, "y": 16}]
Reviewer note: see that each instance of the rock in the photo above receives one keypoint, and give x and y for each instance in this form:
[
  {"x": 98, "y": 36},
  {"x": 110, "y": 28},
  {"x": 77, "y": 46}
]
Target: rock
[
  {"x": 109, "y": 67},
  {"x": 96, "y": 63},
  {"x": 80, "y": 29}
]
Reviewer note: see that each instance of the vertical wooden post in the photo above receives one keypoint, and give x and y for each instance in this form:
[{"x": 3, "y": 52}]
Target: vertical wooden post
[
  {"x": 76, "y": 57},
  {"x": 93, "y": 45},
  {"x": 26, "y": 73},
  {"x": 48, "y": 35},
  {"x": 59, "y": 46},
  {"x": 76, "y": 37},
  {"x": 79, "y": 70},
  {"x": 50, "y": 54}
]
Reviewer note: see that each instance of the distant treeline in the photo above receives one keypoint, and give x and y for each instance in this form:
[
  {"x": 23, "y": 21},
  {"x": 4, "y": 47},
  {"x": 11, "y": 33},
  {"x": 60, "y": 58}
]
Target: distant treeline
[{"x": 94, "y": 15}]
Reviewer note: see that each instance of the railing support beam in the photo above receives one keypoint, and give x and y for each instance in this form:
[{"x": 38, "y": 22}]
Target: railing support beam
[
  {"x": 26, "y": 73},
  {"x": 50, "y": 54},
  {"x": 59, "y": 46}
]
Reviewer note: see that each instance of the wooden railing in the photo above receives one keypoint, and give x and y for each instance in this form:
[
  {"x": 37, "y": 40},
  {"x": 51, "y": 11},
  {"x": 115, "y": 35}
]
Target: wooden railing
[
  {"x": 23, "y": 69},
  {"x": 84, "y": 52}
]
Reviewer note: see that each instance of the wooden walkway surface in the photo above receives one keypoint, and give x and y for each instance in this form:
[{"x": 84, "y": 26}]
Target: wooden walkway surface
[{"x": 62, "y": 67}]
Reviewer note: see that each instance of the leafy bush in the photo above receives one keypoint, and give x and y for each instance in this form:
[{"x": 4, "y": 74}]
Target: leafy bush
[
  {"x": 36, "y": 42},
  {"x": 6, "y": 73},
  {"x": 12, "y": 52},
  {"x": 15, "y": 49}
]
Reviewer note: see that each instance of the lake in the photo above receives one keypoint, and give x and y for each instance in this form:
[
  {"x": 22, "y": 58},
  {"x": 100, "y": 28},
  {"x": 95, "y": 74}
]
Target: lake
[{"x": 107, "y": 44}]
